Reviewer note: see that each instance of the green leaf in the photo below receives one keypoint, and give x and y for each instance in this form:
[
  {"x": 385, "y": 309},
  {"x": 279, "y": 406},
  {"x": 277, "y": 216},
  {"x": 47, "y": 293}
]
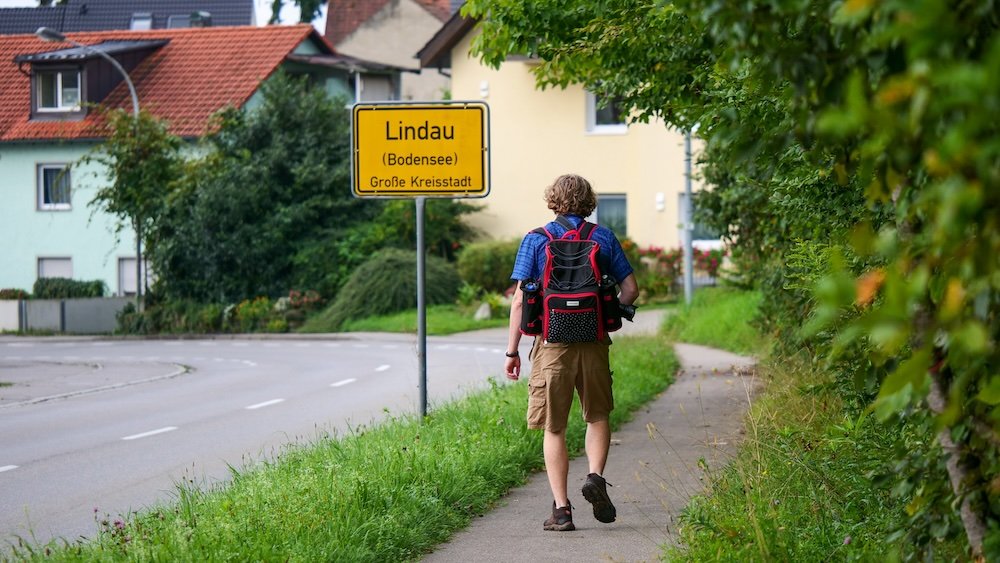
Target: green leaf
[
  {"x": 898, "y": 387},
  {"x": 990, "y": 393}
]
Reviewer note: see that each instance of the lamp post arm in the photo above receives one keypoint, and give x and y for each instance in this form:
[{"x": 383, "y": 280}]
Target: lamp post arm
[{"x": 120, "y": 68}]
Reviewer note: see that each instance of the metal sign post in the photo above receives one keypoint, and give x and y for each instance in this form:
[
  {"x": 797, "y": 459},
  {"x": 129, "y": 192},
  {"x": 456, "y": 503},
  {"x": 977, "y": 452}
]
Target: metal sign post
[
  {"x": 421, "y": 308},
  {"x": 420, "y": 150},
  {"x": 688, "y": 226}
]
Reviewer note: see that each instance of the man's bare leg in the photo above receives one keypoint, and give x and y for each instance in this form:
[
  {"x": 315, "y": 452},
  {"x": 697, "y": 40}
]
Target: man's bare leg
[
  {"x": 557, "y": 465},
  {"x": 597, "y": 444}
]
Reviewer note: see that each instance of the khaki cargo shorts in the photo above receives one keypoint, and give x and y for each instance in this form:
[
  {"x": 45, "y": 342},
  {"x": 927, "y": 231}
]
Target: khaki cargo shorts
[{"x": 558, "y": 369}]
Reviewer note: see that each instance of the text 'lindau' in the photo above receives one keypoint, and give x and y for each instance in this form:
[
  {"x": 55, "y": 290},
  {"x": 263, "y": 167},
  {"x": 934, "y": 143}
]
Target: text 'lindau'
[{"x": 425, "y": 132}]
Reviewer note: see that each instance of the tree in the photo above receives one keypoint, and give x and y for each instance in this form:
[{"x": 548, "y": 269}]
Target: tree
[
  {"x": 851, "y": 144},
  {"x": 142, "y": 161},
  {"x": 273, "y": 183}
]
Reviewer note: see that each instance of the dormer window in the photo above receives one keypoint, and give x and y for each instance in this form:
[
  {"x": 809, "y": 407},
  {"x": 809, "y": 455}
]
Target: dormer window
[
  {"x": 65, "y": 82},
  {"x": 141, "y": 21},
  {"x": 178, "y": 21},
  {"x": 58, "y": 90}
]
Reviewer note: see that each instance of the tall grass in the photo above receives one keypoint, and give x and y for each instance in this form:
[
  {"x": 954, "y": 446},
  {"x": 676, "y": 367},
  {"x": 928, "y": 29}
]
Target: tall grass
[
  {"x": 382, "y": 493},
  {"x": 803, "y": 486},
  {"x": 718, "y": 317}
]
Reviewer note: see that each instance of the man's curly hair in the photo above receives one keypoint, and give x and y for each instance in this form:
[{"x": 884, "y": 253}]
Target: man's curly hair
[{"x": 571, "y": 194}]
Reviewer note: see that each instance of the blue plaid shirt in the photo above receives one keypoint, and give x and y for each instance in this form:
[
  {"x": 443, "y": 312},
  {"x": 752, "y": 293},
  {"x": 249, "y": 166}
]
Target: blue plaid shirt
[{"x": 530, "y": 261}]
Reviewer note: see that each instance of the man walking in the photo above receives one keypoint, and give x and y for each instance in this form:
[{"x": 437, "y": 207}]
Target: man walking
[{"x": 560, "y": 368}]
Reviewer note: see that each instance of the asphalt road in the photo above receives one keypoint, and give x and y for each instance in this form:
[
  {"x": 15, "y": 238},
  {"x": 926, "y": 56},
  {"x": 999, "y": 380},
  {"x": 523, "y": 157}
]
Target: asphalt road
[{"x": 93, "y": 427}]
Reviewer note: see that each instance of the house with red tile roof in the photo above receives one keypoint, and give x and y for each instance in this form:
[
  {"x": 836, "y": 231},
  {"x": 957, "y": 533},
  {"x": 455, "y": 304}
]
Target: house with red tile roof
[
  {"x": 183, "y": 76},
  {"x": 391, "y": 32}
]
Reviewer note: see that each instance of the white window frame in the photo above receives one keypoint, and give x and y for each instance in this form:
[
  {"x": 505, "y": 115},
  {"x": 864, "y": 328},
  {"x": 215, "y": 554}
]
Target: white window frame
[
  {"x": 141, "y": 21},
  {"x": 593, "y": 127},
  {"x": 40, "y": 187},
  {"x": 126, "y": 272},
  {"x": 41, "y": 259},
  {"x": 60, "y": 104}
]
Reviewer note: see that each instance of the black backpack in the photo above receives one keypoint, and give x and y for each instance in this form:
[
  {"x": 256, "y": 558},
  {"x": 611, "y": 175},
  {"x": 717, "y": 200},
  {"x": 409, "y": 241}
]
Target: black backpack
[{"x": 574, "y": 301}]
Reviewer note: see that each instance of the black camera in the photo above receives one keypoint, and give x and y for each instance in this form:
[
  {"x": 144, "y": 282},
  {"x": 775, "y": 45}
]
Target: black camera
[{"x": 628, "y": 312}]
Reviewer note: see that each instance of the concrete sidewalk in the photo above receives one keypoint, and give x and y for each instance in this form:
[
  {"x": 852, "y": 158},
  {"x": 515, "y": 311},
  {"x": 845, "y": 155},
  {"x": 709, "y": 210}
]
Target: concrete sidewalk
[{"x": 653, "y": 465}]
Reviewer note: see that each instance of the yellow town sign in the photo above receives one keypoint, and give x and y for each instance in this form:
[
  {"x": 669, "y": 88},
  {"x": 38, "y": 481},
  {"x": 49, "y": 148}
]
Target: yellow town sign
[{"x": 421, "y": 149}]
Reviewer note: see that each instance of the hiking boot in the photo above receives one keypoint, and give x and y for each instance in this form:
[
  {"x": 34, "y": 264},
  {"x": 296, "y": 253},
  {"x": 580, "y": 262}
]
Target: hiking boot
[
  {"x": 561, "y": 519},
  {"x": 595, "y": 490}
]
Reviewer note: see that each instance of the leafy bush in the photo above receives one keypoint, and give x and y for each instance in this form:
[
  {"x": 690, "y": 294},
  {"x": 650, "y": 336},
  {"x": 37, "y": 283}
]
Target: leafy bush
[
  {"x": 13, "y": 294},
  {"x": 172, "y": 317},
  {"x": 387, "y": 283},
  {"x": 488, "y": 264},
  {"x": 468, "y": 294},
  {"x": 255, "y": 314},
  {"x": 65, "y": 288}
]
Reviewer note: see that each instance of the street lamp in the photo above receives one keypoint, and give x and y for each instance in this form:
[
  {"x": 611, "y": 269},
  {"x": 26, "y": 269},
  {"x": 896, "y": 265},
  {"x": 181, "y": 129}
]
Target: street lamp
[{"x": 51, "y": 35}]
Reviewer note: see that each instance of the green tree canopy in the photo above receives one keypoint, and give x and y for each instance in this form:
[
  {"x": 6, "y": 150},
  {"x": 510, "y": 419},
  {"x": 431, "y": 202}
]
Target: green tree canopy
[
  {"x": 142, "y": 160},
  {"x": 274, "y": 181},
  {"x": 853, "y": 144}
]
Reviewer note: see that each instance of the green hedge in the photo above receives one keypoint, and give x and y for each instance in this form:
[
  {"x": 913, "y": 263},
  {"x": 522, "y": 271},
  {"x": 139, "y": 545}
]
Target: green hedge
[
  {"x": 65, "y": 288},
  {"x": 13, "y": 294},
  {"x": 488, "y": 264}
]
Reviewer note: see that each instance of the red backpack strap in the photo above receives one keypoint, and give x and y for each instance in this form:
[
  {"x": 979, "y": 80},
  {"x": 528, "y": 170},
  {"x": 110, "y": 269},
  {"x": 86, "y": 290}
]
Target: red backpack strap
[{"x": 586, "y": 229}]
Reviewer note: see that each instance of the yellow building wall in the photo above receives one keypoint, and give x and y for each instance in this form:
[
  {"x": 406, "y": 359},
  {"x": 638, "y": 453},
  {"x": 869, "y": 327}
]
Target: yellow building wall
[{"x": 536, "y": 135}]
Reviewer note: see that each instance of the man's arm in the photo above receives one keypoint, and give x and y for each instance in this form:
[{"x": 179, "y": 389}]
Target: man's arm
[
  {"x": 629, "y": 290},
  {"x": 512, "y": 367}
]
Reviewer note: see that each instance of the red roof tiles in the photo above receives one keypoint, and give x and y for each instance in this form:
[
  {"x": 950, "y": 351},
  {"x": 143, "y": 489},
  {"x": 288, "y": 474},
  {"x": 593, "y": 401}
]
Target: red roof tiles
[
  {"x": 200, "y": 71},
  {"x": 343, "y": 17}
]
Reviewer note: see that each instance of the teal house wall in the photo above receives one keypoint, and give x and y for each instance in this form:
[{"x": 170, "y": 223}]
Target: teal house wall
[{"x": 86, "y": 237}]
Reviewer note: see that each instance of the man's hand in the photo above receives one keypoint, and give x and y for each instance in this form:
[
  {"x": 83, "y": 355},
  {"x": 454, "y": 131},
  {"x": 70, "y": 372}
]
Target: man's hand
[{"x": 512, "y": 367}]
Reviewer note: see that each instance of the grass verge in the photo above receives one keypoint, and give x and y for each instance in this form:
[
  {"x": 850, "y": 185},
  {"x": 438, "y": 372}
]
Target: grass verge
[
  {"x": 718, "y": 317},
  {"x": 441, "y": 320},
  {"x": 389, "y": 492}
]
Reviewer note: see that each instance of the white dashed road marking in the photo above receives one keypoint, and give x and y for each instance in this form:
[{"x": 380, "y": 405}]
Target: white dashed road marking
[
  {"x": 383, "y": 367},
  {"x": 150, "y": 433},
  {"x": 265, "y": 404},
  {"x": 7, "y": 468},
  {"x": 342, "y": 383}
]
